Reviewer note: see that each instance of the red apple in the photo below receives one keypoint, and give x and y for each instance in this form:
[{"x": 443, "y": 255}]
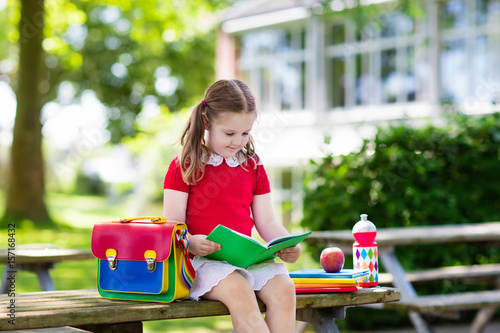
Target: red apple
[{"x": 332, "y": 259}]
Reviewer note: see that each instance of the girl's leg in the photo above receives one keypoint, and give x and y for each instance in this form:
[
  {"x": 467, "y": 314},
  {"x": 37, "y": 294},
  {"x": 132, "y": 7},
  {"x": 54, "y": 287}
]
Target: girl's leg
[
  {"x": 237, "y": 294},
  {"x": 279, "y": 296}
]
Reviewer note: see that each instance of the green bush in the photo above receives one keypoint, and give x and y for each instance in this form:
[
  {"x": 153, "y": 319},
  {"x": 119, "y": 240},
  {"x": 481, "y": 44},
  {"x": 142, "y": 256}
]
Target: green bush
[{"x": 409, "y": 176}]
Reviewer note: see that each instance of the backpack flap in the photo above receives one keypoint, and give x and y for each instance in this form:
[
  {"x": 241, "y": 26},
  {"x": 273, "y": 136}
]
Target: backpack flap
[
  {"x": 133, "y": 256},
  {"x": 132, "y": 240}
]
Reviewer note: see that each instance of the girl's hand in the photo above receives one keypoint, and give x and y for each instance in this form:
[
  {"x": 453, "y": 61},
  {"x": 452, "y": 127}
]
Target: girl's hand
[
  {"x": 200, "y": 246},
  {"x": 290, "y": 254}
]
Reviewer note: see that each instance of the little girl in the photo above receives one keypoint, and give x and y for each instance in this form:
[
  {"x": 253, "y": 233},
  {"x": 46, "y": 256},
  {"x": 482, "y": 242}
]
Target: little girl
[{"x": 219, "y": 179}]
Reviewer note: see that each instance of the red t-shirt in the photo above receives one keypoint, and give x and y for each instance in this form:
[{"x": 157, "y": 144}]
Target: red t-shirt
[{"x": 223, "y": 196}]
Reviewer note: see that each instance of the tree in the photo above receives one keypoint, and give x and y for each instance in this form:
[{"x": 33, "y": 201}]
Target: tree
[
  {"x": 125, "y": 51},
  {"x": 25, "y": 192}
]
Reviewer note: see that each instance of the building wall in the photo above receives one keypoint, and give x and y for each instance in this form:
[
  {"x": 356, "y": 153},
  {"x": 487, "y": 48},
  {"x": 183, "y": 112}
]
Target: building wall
[{"x": 318, "y": 75}]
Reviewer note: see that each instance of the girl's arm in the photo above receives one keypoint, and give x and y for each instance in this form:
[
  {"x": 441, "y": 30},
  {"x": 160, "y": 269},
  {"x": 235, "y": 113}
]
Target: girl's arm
[
  {"x": 269, "y": 228},
  {"x": 175, "y": 205},
  {"x": 174, "y": 209}
]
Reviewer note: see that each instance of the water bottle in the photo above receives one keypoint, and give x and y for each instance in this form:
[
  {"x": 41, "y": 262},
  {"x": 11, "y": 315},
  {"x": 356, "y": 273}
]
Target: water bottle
[{"x": 364, "y": 249}]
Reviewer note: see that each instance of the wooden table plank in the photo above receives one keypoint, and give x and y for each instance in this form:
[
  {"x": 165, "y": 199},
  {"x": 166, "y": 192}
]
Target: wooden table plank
[
  {"x": 362, "y": 296},
  {"x": 85, "y": 296},
  {"x": 62, "y": 304},
  {"x": 437, "y": 234},
  {"x": 64, "y": 329},
  {"x": 449, "y": 302},
  {"x": 45, "y": 255},
  {"x": 92, "y": 309},
  {"x": 90, "y": 293},
  {"x": 484, "y": 273}
]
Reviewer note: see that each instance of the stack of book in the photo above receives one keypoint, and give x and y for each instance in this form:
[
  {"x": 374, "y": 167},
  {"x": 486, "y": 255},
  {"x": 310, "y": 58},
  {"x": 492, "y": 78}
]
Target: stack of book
[{"x": 319, "y": 281}]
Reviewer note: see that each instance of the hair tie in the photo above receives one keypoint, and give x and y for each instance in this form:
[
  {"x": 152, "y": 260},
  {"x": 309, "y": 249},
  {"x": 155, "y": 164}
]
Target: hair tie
[{"x": 204, "y": 103}]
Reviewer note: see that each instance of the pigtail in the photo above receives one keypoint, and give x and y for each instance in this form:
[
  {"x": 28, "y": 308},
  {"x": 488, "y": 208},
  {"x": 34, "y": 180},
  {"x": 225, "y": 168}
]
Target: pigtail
[
  {"x": 247, "y": 154},
  {"x": 222, "y": 96},
  {"x": 250, "y": 150},
  {"x": 193, "y": 143}
]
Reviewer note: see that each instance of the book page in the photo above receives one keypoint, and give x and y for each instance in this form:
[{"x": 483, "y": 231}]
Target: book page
[
  {"x": 287, "y": 241},
  {"x": 246, "y": 237},
  {"x": 242, "y": 251},
  {"x": 285, "y": 238},
  {"x": 236, "y": 248}
]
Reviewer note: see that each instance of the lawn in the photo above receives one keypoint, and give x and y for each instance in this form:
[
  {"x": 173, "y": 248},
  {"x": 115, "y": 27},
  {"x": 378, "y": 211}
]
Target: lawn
[{"x": 77, "y": 215}]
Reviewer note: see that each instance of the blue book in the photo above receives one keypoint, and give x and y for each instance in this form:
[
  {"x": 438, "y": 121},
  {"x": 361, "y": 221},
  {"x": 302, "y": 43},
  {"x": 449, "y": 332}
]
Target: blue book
[{"x": 320, "y": 273}]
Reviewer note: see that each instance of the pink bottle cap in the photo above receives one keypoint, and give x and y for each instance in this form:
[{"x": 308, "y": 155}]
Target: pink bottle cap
[{"x": 364, "y": 231}]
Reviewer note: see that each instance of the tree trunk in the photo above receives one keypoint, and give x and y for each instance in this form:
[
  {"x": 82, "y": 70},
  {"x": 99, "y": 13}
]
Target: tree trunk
[{"x": 25, "y": 191}]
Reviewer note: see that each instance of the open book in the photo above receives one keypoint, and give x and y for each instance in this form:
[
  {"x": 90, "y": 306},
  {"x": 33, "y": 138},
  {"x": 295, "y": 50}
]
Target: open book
[{"x": 242, "y": 251}]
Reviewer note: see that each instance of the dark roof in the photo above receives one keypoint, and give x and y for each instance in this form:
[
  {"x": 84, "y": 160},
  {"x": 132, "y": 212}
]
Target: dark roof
[{"x": 245, "y": 8}]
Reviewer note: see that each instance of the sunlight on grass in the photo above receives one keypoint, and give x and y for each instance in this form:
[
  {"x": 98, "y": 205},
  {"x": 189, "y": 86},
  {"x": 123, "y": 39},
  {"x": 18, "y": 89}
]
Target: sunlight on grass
[
  {"x": 85, "y": 211},
  {"x": 77, "y": 215},
  {"x": 2, "y": 202}
]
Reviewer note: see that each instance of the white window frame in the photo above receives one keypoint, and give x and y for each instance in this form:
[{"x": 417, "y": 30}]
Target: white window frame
[
  {"x": 255, "y": 64},
  {"x": 481, "y": 91}
]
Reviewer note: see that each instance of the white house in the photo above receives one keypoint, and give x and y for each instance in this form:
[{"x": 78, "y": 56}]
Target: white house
[{"x": 316, "y": 73}]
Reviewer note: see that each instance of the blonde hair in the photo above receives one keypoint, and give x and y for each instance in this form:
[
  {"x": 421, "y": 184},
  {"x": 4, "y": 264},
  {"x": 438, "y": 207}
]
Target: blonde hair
[{"x": 222, "y": 96}]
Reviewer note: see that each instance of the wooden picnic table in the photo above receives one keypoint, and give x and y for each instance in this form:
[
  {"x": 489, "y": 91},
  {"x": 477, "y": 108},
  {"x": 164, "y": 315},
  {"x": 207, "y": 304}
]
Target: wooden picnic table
[
  {"x": 39, "y": 259},
  {"x": 87, "y": 310},
  {"x": 388, "y": 238}
]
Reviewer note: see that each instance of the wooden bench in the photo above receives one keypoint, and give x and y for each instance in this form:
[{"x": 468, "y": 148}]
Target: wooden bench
[
  {"x": 53, "y": 330},
  {"x": 451, "y": 305},
  {"x": 432, "y": 304},
  {"x": 86, "y": 310}
]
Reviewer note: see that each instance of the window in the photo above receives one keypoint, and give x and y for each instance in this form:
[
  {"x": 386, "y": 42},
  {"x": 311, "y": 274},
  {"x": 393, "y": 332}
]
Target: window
[
  {"x": 453, "y": 81},
  {"x": 453, "y": 14},
  {"x": 390, "y": 78},
  {"x": 470, "y": 50},
  {"x": 338, "y": 83},
  {"x": 273, "y": 63},
  {"x": 375, "y": 63}
]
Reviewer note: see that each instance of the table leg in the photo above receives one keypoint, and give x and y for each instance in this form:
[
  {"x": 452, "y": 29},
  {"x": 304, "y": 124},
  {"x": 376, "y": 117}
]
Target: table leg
[
  {"x": 482, "y": 319},
  {"x": 46, "y": 283},
  {"x": 484, "y": 316},
  {"x": 42, "y": 272},
  {"x": 392, "y": 265},
  {"x": 322, "y": 319}
]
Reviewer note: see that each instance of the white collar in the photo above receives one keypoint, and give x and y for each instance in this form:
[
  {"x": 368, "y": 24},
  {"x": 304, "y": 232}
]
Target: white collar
[{"x": 216, "y": 160}]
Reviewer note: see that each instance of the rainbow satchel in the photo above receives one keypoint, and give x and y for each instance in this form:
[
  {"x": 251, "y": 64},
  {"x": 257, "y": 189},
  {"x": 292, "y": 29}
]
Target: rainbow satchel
[{"x": 142, "y": 261}]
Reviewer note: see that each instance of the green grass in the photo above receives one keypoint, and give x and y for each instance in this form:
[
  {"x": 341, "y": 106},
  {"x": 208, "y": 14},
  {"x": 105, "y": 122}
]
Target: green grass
[{"x": 84, "y": 211}]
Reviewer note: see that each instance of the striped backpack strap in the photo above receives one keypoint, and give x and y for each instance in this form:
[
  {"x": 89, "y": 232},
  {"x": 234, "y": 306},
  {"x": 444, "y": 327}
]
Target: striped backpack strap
[{"x": 187, "y": 269}]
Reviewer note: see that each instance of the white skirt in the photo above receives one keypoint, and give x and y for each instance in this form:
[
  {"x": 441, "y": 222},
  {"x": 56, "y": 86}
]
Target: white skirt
[{"x": 209, "y": 273}]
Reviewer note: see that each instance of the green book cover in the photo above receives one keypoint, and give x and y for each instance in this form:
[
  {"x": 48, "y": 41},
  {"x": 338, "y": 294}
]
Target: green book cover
[{"x": 242, "y": 251}]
